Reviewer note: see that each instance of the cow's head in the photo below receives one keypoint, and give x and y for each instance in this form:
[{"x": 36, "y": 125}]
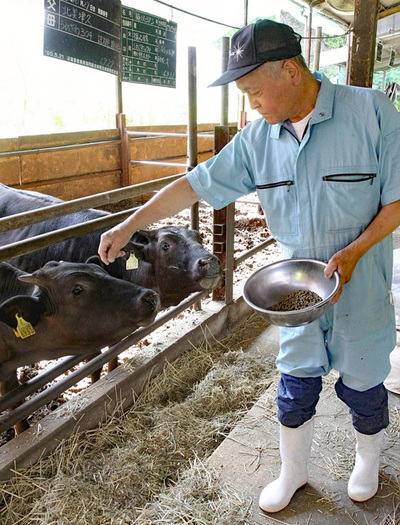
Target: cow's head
[
  {"x": 80, "y": 305},
  {"x": 176, "y": 261}
]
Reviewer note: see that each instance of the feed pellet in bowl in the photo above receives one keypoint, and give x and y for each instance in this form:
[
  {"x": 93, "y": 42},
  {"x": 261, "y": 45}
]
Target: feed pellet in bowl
[{"x": 297, "y": 300}]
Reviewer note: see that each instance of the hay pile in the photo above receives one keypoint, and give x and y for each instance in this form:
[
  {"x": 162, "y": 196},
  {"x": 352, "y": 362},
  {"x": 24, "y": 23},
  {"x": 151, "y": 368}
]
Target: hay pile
[{"x": 147, "y": 466}]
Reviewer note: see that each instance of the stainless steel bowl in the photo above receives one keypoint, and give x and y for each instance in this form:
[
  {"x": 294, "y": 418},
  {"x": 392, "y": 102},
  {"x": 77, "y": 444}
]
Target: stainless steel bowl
[{"x": 270, "y": 284}]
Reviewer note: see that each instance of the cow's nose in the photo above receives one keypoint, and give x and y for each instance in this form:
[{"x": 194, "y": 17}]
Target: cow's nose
[
  {"x": 205, "y": 261},
  {"x": 209, "y": 264}
]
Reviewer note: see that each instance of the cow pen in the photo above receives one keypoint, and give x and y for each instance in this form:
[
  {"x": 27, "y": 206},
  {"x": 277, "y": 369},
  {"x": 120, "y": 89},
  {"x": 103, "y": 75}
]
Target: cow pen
[
  {"x": 223, "y": 246},
  {"x": 105, "y": 198},
  {"x": 72, "y": 378}
]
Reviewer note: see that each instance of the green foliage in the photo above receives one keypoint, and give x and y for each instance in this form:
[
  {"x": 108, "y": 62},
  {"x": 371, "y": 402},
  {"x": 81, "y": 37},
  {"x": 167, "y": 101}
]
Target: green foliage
[{"x": 335, "y": 43}]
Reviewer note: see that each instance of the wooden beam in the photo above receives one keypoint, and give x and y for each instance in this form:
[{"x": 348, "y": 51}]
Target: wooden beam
[
  {"x": 364, "y": 40},
  {"x": 389, "y": 11}
]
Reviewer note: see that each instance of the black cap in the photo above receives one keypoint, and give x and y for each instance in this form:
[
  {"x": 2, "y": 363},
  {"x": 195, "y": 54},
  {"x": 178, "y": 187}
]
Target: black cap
[{"x": 252, "y": 45}]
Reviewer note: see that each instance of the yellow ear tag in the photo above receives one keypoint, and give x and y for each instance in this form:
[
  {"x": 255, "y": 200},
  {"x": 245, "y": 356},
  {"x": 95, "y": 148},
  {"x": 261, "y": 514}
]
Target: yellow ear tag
[
  {"x": 24, "y": 329},
  {"x": 132, "y": 262}
]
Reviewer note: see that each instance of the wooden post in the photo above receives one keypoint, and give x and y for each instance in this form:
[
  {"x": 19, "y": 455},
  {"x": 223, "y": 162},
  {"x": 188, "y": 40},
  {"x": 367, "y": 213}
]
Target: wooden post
[
  {"x": 364, "y": 40},
  {"x": 222, "y": 135}
]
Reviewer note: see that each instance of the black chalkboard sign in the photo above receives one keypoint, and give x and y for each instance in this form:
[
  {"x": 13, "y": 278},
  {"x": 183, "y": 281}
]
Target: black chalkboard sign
[
  {"x": 148, "y": 48},
  {"x": 86, "y": 32}
]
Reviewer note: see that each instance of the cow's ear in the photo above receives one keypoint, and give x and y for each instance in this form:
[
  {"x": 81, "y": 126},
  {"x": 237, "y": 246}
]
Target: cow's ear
[
  {"x": 139, "y": 245},
  {"x": 113, "y": 269},
  {"x": 142, "y": 237},
  {"x": 29, "y": 308},
  {"x": 140, "y": 250},
  {"x": 95, "y": 259}
]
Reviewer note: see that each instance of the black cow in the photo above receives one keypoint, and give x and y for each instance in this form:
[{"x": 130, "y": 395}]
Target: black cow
[
  {"x": 172, "y": 260},
  {"x": 65, "y": 309}
]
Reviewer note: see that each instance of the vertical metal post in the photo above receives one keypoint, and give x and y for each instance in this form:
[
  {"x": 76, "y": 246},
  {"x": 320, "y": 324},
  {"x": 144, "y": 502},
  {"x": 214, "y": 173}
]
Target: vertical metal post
[
  {"x": 243, "y": 116},
  {"x": 317, "y": 48},
  {"x": 309, "y": 37},
  {"x": 192, "y": 135},
  {"x": 118, "y": 87},
  {"x": 225, "y": 89},
  {"x": 124, "y": 157},
  {"x": 192, "y": 127},
  {"x": 348, "y": 63},
  {"x": 118, "y": 79},
  {"x": 124, "y": 151}
]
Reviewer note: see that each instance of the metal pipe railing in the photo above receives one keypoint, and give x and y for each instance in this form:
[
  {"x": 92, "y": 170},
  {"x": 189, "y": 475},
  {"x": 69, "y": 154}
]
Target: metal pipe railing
[
  {"x": 40, "y": 241},
  {"x": 99, "y": 142},
  {"x": 144, "y": 134},
  {"x": 158, "y": 163},
  {"x": 32, "y": 385},
  {"x": 57, "y": 148},
  {"x": 47, "y": 239},
  {"x": 99, "y": 199},
  {"x": 39, "y": 400},
  {"x": 254, "y": 250},
  {"x": 44, "y": 240},
  {"x": 49, "y": 394}
]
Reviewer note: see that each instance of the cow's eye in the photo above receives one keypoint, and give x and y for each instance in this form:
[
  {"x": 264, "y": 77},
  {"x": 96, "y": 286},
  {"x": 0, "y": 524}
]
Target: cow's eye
[
  {"x": 165, "y": 246},
  {"x": 77, "y": 290}
]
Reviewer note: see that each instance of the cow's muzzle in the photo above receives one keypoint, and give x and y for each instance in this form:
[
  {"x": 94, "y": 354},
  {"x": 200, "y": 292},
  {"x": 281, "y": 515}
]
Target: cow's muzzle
[{"x": 209, "y": 272}]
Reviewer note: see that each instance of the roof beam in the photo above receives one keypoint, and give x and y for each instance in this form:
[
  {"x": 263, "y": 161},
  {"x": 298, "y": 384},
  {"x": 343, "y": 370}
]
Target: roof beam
[{"x": 389, "y": 11}]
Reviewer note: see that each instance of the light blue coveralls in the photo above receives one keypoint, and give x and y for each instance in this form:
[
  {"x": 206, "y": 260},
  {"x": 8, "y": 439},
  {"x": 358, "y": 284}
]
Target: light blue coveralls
[{"x": 318, "y": 196}]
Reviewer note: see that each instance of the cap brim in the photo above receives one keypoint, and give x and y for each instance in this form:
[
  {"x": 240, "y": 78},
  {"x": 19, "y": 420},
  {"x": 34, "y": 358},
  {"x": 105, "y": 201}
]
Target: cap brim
[{"x": 234, "y": 74}]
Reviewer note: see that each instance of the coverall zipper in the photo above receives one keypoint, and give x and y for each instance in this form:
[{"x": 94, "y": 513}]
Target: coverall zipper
[
  {"x": 287, "y": 183},
  {"x": 351, "y": 177}
]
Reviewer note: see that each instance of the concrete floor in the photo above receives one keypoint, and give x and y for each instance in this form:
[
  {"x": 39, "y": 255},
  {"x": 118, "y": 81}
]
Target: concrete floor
[{"x": 249, "y": 458}]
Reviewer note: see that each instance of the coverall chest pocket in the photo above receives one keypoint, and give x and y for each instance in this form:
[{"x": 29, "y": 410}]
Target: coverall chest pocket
[
  {"x": 350, "y": 200},
  {"x": 279, "y": 201}
]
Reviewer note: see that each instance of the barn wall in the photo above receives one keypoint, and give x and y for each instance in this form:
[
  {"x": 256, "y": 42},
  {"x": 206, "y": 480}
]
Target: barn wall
[{"x": 73, "y": 165}]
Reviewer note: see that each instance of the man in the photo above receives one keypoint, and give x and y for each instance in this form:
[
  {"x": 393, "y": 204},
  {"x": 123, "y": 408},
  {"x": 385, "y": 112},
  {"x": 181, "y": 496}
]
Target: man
[{"x": 325, "y": 162}]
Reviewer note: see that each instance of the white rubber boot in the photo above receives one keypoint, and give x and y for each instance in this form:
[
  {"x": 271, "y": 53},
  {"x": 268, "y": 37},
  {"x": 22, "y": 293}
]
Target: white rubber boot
[
  {"x": 364, "y": 480},
  {"x": 295, "y": 447}
]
